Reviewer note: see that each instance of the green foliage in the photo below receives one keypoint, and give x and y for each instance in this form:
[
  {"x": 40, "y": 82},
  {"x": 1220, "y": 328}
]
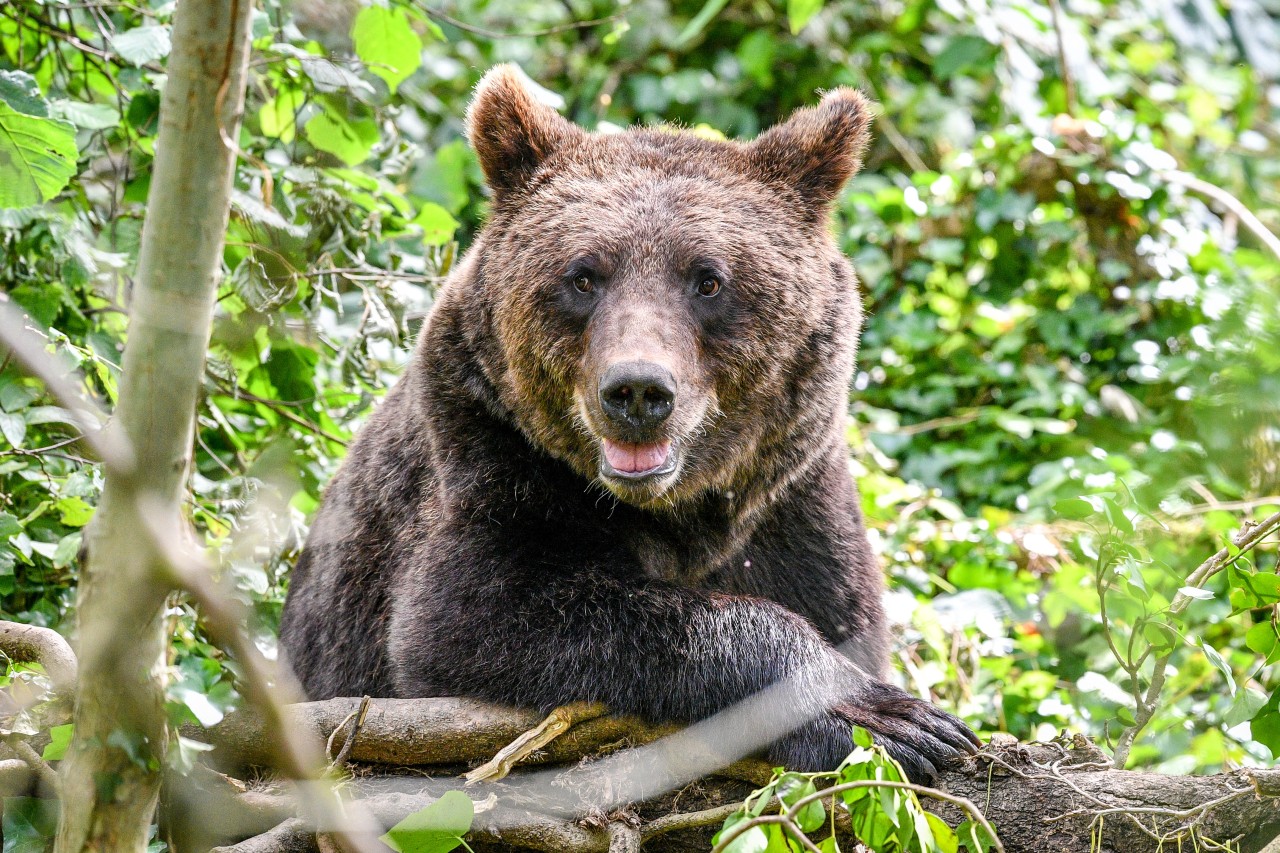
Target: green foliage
[
  {"x": 28, "y": 822},
  {"x": 1069, "y": 382},
  {"x": 884, "y": 813},
  {"x": 37, "y": 153},
  {"x": 438, "y": 828}
]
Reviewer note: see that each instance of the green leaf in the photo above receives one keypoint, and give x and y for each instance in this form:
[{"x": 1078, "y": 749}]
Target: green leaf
[
  {"x": 699, "y": 21},
  {"x": 86, "y": 116},
  {"x": 29, "y": 824},
  {"x": 438, "y": 828},
  {"x": 68, "y": 550},
  {"x": 13, "y": 428},
  {"x": 19, "y": 90},
  {"x": 437, "y": 225},
  {"x": 1263, "y": 639},
  {"x": 278, "y": 117},
  {"x": 37, "y": 157},
  {"x": 1222, "y": 666},
  {"x": 778, "y": 840},
  {"x": 1074, "y": 509},
  {"x": 198, "y": 703},
  {"x": 800, "y": 12},
  {"x": 754, "y": 840},
  {"x": 9, "y": 525},
  {"x": 59, "y": 740},
  {"x": 73, "y": 511},
  {"x": 141, "y": 45},
  {"x": 961, "y": 53},
  {"x": 974, "y": 837},
  {"x": 943, "y": 835},
  {"x": 1265, "y": 725},
  {"x": 386, "y": 43},
  {"x": 812, "y": 815},
  {"x": 1116, "y": 515},
  {"x": 1159, "y": 635},
  {"x": 349, "y": 141},
  {"x": 1244, "y": 707}
]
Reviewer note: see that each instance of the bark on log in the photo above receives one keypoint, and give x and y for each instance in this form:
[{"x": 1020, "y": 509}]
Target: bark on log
[
  {"x": 1041, "y": 797},
  {"x": 416, "y": 732}
]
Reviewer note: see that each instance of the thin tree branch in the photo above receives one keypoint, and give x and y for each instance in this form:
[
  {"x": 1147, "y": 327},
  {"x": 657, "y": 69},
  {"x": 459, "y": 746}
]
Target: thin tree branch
[{"x": 1230, "y": 202}]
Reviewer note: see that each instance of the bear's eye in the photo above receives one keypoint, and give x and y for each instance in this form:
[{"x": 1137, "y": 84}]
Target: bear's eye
[
  {"x": 582, "y": 283},
  {"x": 709, "y": 286}
]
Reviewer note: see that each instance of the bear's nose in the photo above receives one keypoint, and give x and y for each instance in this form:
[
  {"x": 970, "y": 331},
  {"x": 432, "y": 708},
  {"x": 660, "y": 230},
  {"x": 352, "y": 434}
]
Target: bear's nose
[{"x": 637, "y": 394}]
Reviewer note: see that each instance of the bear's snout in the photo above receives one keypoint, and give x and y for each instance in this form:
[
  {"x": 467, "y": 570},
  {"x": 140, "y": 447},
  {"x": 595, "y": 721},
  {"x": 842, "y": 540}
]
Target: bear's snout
[{"x": 637, "y": 396}]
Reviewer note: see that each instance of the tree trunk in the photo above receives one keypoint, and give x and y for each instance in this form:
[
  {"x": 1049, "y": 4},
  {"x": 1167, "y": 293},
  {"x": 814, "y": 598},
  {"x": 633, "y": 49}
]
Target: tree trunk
[{"x": 111, "y": 775}]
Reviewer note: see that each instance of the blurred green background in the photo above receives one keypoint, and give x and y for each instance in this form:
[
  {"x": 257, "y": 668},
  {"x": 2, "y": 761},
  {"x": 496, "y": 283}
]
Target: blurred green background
[{"x": 1068, "y": 393}]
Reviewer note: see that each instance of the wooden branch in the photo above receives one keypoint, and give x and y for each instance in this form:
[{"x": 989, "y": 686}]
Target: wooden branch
[
  {"x": 528, "y": 744},
  {"x": 1057, "y": 797},
  {"x": 1231, "y": 203},
  {"x": 1067, "y": 797},
  {"x": 411, "y": 732},
  {"x": 32, "y": 644},
  {"x": 16, "y": 778}
]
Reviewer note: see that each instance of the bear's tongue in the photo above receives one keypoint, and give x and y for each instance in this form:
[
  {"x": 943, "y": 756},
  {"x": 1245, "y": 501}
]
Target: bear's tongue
[{"x": 635, "y": 458}]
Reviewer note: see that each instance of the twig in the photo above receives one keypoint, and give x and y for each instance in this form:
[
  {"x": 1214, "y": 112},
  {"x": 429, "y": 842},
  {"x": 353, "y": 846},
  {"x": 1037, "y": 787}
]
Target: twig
[
  {"x": 349, "y": 741},
  {"x": 900, "y": 143},
  {"x": 787, "y": 818},
  {"x": 932, "y": 424},
  {"x": 1250, "y": 535},
  {"x": 27, "y": 348},
  {"x": 688, "y": 820},
  {"x": 47, "y": 774},
  {"x": 1068, "y": 80},
  {"x": 262, "y": 683},
  {"x": 497, "y": 34},
  {"x": 1226, "y": 506},
  {"x": 557, "y": 723},
  {"x": 236, "y": 393},
  {"x": 37, "y": 451},
  {"x": 1230, "y": 202}
]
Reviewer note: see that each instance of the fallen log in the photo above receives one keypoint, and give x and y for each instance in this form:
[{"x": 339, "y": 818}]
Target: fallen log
[
  {"x": 1061, "y": 796},
  {"x": 417, "y": 732}
]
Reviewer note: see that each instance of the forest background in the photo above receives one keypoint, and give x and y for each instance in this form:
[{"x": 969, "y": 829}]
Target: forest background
[{"x": 1068, "y": 393}]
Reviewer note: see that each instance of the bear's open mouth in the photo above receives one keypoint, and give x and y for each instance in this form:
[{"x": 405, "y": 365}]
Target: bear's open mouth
[{"x": 636, "y": 461}]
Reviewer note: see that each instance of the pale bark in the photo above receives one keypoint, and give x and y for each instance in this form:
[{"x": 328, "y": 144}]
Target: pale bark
[
  {"x": 111, "y": 775},
  {"x": 33, "y": 644}
]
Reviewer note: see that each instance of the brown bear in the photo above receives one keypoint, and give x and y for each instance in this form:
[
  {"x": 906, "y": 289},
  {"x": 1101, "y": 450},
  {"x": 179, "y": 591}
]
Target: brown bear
[{"x": 616, "y": 467}]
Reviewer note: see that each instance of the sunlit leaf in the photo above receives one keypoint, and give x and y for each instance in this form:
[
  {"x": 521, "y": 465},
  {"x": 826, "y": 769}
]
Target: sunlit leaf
[
  {"x": 386, "y": 43},
  {"x": 37, "y": 157},
  {"x": 800, "y": 12},
  {"x": 141, "y": 45},
  {"x": 349, "y": 141},
  {"x": 438, "y": 828}
]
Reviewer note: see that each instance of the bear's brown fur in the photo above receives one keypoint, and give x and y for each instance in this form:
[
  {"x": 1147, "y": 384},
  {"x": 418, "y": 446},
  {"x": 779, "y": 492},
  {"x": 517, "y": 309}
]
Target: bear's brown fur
[{"x": 616, "y": 468}]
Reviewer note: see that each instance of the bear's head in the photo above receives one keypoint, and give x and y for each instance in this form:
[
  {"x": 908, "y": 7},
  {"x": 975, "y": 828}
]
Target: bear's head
[{"x": 670, "y": 312}]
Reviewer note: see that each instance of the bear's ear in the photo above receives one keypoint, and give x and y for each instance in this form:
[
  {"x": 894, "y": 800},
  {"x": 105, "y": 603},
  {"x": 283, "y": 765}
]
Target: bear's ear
[
  {"x": 511, "y": 131},
  {"x": 817, "y": 149}
]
